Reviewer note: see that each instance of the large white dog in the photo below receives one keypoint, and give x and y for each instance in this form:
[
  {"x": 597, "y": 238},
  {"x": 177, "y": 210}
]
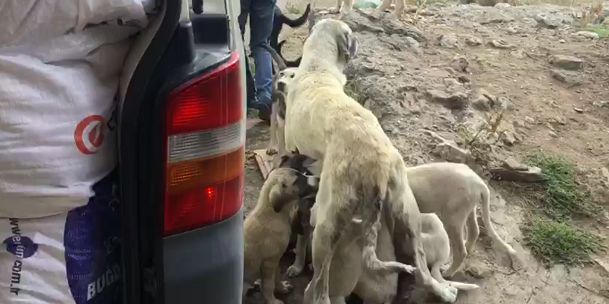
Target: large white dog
[{"x": 361, "y": 168}]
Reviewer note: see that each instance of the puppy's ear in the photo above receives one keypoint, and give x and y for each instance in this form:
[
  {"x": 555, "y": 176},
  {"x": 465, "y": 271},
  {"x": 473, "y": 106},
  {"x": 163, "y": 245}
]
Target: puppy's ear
[{"x": 348, "y": 46}]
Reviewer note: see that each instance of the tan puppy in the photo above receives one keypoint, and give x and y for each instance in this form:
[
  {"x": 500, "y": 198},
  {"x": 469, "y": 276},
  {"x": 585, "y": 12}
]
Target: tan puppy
[
  {"x": 278, "y": 95},
  {"x": 455, "y": 204},
  {"x": 267, "y": 233},
  {"x": 361, "y": 167}
]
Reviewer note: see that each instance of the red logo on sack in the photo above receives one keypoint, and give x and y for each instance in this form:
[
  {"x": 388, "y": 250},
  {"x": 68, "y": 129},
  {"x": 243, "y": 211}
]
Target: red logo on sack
[{"x": 89, "y": 134}]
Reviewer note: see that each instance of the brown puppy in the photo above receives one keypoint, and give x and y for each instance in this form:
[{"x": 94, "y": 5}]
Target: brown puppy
[{"x": 267, "y": 231}]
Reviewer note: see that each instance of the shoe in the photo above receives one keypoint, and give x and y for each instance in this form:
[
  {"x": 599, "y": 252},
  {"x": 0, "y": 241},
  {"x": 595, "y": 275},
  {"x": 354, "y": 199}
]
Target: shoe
[{"x": 264, "y": 111}]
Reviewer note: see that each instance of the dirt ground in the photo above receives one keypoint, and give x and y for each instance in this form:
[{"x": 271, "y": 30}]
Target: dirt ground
[{"x": 448, "y": 48}]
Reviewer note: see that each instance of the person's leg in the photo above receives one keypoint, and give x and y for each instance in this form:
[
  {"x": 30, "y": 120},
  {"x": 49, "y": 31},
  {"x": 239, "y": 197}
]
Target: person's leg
[
  {"x": 250, "y": 88},
  {"x": 261, "y": 25}
]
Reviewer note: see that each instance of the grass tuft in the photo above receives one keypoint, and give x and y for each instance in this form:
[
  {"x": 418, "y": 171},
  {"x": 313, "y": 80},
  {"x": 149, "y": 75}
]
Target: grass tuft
[
  {"x": 556, "y": 242},
  {"x": 562, "y": 197}
]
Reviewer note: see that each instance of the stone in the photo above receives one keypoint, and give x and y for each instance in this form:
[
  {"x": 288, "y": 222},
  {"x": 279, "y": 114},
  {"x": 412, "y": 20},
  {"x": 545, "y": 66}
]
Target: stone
[
  {"x": 587, "y": 34},
  {"x": 519, "y": 124},
  {"x": 508, "y": 138},
  {"x": 451, "y": 82},
  {"x": 502, "y": 5},
  {"x": 601, "y": 103},
  {"x": 473, "y": 41},
  {"x": 513, "y": 164},
  {"x": 531, "y": 175},
  {"x": 579, "y": 110},
  {"x": 500, "y": 44},
  {"x": 548, "y": 21},
  {"x": 449, "y": 151},
  {"x": 567, "y": 62},
  {"x": 518, "y": 54},
  {"x": 570, "y": 78},
  {"x": 459, "y": 63},
  {"x": 456, "y": 100},
  {"x": 449, "y": 41},
  {"x": 502, "y": 103},
  {"x": 529, "y": 119}
]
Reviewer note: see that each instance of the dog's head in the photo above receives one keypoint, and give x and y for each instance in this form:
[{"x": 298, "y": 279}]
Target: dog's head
[
  {"x": 284, "y": 78},
  {"x": 339, "y": 37}
]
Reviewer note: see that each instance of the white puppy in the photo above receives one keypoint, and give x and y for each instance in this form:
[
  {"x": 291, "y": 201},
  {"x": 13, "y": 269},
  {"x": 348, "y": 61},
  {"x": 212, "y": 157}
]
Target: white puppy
[
  {"x": 452, "y": 191},
  {"x": 278, "y": 95},
  {"x": 361, "y": 167},
  {"x": 437, "y": 248}
]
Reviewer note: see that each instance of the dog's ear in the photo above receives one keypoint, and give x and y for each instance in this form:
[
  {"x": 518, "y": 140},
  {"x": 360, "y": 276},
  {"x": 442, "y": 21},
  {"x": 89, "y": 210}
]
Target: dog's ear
[{"x": 348, "y": 46}]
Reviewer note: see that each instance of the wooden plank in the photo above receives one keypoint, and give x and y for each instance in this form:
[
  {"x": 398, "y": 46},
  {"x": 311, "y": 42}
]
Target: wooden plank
[{"x": 264, "y": 162}]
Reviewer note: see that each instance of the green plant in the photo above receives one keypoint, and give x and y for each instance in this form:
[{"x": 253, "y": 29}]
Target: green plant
[
  {"x": 555, "y": 242},
  {"x": 562, "y": 196},
  {"x": 477, "y": 142}
]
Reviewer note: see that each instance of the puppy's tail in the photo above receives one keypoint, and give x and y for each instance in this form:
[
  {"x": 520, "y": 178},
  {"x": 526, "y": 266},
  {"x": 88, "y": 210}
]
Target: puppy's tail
[
  {"x": 486, "y": 218},
  {"x": 371, "y": 223},
  {"x": 276, "y": 57},
  {"x": 288, "y": 63},
  {"x": 462, "y": 286}
]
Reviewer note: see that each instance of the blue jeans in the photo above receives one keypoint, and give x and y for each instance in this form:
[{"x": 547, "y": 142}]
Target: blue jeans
[{"x": 261, "y": 13}]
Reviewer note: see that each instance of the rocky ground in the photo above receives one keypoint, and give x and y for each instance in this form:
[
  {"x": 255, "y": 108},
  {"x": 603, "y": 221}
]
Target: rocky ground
[{"x": 436, "y": 78}]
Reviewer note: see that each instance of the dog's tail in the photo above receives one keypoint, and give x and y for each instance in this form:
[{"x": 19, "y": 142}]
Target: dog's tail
[
  {"x": 298, "y": 21},
  {"x": 288, "y": 63},
  {"x": 276, "y": 57},
  {"x": 462, "y": 286},
  {"x": 372, "y": 206}
]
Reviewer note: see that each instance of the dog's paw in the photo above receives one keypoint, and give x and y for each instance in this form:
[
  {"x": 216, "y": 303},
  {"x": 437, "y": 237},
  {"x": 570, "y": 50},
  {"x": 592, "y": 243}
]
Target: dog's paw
[
  {"x": 257, "y": 285},
  {"x": 448, "y": 293},
  {"x": 517, "y": 263},
  {"x": 409, "y": 269},
  {"x": 284, "y": 288},
  {"x": 271, "y": 151},
  {"x": 294, "y": 270}
]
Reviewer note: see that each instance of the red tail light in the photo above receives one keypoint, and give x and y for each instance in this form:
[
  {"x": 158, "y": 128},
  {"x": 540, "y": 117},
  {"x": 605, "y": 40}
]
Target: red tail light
[{"x": 205, "y": 156}]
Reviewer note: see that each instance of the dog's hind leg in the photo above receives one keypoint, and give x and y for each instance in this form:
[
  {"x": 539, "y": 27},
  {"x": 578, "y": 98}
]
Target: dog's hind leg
[
  {"x": 334, "y": 209},
  {"x": 455, "y": 234},
  {"x": 472, "y": 231}
]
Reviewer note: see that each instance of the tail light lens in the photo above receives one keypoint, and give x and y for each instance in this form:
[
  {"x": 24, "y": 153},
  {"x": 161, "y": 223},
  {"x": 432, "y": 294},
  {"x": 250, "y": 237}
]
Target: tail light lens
[{"x": 205, "y": 150}]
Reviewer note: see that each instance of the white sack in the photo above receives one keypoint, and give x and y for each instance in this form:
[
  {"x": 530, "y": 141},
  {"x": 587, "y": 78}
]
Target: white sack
[
  {"x": 71, "y": 258},
  {"x": 59, "y": 75}
]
